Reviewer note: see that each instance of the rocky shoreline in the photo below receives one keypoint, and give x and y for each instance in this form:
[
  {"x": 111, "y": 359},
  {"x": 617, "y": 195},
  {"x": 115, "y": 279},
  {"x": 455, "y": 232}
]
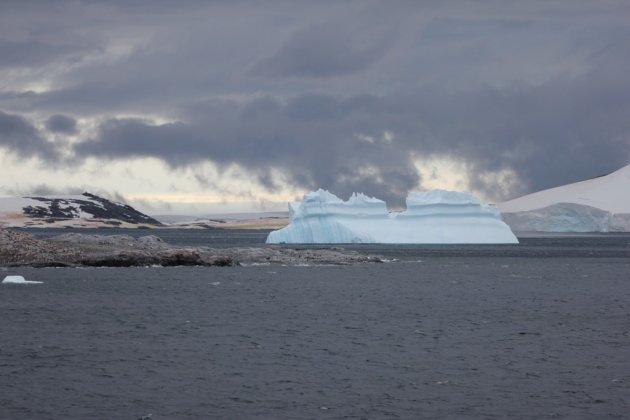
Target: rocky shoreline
[{"x": 76, "y": 250}]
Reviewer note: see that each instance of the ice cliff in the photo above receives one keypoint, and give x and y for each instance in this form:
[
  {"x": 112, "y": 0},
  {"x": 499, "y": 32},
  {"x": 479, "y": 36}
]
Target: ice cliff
[
  {"x": 567, "y": 217},
  {"x": 432, "y": 217},
  {"x": 599, "y": 204}
]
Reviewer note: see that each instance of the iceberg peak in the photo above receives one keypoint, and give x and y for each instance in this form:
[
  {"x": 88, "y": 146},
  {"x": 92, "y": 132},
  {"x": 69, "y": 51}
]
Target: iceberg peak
[{"x": 322, "y": 196}]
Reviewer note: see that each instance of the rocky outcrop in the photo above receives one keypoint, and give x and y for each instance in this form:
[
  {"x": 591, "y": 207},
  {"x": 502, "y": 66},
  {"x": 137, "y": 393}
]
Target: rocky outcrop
[
  {"x": 73, "y": 249},
  {"x": 51, "y": 209},
  {"x": 17, "y": 248}
]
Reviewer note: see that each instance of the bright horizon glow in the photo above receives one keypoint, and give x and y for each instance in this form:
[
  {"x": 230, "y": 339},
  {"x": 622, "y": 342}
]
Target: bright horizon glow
[
  {"x": 195, "y": 198},
  {"x": 182, "y": 191},
  {"x": 186, "y": 191}
]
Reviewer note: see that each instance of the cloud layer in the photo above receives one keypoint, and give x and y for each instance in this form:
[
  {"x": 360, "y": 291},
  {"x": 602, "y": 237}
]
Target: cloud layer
[
  {"x": 20, "y": 137},
  {"x": 347, "y": 96}
]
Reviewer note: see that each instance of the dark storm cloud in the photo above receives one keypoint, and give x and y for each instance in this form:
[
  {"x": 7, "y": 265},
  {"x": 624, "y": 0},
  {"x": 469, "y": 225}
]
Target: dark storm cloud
[
  {"x": 129, "y": 138},
  {"x": 312, "y": 88},
  {"x": 549, "y": 135},
  {"x": 30, "y": 53},
  {"x": 59, "y": 123},
  {"x": 314, "y": 149},
  {"x": 326, "y": 50},
  {"x": 19, "y": 136}
]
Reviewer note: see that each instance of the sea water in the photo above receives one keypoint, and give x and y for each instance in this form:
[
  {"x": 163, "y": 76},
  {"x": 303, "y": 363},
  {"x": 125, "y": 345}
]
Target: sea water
[{"x": 530, "y": 331}]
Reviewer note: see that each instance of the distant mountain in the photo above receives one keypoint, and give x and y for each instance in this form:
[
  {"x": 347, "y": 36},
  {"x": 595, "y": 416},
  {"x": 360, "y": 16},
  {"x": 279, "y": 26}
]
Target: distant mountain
[
  {"x": 600, "y": 204},
  {"x": 86, "y": 210}
]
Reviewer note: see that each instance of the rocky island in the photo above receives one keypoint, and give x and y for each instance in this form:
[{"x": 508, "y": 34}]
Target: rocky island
[{"x": 76, "y": 250}]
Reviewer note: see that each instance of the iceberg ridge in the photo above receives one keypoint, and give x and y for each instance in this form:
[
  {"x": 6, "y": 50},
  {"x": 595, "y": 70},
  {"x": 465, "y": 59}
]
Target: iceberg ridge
[{"x": 432, "y": 217}]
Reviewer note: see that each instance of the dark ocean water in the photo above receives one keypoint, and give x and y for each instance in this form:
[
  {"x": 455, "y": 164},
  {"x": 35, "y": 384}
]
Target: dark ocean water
[{"x": 539, "y": 330}]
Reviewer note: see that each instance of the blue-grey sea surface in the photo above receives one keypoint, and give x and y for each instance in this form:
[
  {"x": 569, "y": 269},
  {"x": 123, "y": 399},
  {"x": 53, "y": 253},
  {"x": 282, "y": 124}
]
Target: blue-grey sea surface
[{"x": 539, "y": 330}]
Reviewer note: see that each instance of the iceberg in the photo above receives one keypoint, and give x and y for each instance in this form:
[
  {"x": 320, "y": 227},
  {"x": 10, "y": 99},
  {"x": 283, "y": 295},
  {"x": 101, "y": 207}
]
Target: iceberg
[
  {"x": 18, "y": 280},
  {"x": 432, "y": 217}
]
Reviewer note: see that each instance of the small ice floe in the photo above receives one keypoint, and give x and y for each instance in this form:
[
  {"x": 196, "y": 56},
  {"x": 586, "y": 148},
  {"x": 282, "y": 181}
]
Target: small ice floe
[{"x": 18, "y": 280}]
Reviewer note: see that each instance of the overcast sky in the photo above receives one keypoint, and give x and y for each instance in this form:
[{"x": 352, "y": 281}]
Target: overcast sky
[{"x": 243, "y": 104}]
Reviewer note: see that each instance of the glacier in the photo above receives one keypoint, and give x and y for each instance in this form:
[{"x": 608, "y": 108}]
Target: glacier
[
  {"x": 567, "y": 217},
  {"x": 596, "y": 205},
  {"x": 432, "y": 217}
]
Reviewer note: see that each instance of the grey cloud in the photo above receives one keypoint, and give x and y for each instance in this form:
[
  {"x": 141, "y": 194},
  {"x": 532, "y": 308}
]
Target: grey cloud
[
  {"x": 59, "y": 123},
  {"x": 129, "y": 138},
  {"x": 265, "y": 135},
  {"x": 380, "y": 48},
  {"x": 30, "y": 53},
  {"x": 549, "y": 135},
  {"x": 168, "y": 65},
  {"x": 325, "y": 50},
  {"x": 50, "y": 190},
  {"x": 43, "y": 190},
  {"x": 19, "y": 136},
  {"x": 536, "y": 87}
]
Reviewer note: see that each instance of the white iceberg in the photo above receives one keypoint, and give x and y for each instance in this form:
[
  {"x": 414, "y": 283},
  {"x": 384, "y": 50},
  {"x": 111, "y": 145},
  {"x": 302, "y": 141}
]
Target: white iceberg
[
  {"x": 433, "y": 217},
  {"x": 18, "y": 280}
]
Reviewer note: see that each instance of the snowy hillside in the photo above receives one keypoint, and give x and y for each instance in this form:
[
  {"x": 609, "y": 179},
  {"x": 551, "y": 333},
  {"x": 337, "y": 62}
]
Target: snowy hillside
[
  {"x": 597, "y": 205},
  {"x": 86, "y": 210}
]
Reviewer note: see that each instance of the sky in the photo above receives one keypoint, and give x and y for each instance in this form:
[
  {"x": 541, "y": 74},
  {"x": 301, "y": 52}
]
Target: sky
[{"x": 228, "y": 106}]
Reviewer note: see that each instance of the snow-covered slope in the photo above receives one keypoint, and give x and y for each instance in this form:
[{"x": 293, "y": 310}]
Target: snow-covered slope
[
  {"x": 432, "y": 217},
  {"x": 596, "y": 205},
  {"x": 86, "y": 210},
  {"x": 610, "y": 193}
]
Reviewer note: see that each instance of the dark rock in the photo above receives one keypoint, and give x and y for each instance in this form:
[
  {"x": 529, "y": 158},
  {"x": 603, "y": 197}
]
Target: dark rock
[
  {"x": 74, "y": 249},
  {"x": 119, "y": 259},
  {"x": 180, "y": 257}
]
